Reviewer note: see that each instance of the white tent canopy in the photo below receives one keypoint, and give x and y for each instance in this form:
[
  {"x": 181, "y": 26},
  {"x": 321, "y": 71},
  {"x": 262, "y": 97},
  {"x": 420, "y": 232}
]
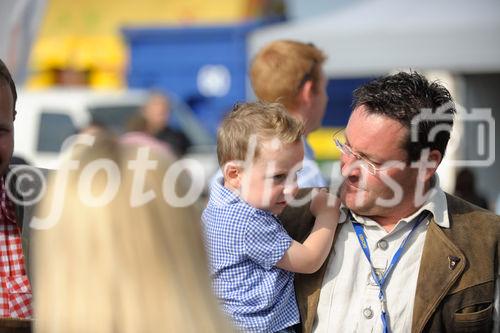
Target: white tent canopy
[
  {"x": 377, "y": 36},
  {"x": 19, "y": 20}
]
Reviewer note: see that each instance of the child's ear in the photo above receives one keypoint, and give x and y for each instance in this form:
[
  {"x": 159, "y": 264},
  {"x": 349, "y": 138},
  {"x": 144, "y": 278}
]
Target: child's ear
[{"x": 233, "y": 174}]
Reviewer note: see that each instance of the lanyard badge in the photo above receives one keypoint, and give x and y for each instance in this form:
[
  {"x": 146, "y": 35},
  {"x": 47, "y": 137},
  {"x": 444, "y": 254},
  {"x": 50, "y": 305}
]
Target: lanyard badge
[{"x": 381, "y": 278}]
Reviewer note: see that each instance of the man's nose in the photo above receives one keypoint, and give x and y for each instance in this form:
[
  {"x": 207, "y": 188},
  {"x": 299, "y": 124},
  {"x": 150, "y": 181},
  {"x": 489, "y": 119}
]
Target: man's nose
[{"x": 349, "y": 165}]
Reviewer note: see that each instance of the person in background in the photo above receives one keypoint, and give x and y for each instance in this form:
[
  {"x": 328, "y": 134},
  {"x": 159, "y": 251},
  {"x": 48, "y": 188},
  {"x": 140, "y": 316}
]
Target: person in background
[
  {"x": 117, "y": 267},
  {"x": 156, "y": 113},
  {"x": 290, "y": 72},
  {"x": 465, "y": 188},
  {"x": 137, "y": 135},
  {"x": 252, "y": 258}
]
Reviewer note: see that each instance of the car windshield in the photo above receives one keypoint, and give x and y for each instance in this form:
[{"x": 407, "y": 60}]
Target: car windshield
[{"x": 115, "y": 117}]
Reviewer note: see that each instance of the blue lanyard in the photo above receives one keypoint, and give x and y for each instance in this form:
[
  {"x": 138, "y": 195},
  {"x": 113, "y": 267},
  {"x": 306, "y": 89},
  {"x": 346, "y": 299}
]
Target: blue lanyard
[{"x": 380, "y": 281}]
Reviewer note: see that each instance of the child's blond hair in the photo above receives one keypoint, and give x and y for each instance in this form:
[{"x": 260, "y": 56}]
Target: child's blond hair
[{"x": 262, "y": 119}]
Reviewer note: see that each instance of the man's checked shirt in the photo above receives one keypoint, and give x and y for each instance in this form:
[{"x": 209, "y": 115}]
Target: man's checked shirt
[
  {"x": 244, "y": 244},
  {"x": 15, "y": 289}
]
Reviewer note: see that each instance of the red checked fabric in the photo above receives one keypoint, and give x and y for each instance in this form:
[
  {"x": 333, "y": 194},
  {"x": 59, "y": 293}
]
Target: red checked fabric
[{"x": 15, "y": 289}]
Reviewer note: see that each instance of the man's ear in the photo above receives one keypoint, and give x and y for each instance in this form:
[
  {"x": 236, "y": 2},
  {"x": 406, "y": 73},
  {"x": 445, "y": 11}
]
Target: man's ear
[
  {"x": 306, "y": 93},
  {"x": 433, "y": 161},
  {"x": 233, "y": 174}
]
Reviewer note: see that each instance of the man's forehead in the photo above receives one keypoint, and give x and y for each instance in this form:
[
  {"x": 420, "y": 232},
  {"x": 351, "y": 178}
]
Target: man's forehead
[{"x": 370, "y": 129}]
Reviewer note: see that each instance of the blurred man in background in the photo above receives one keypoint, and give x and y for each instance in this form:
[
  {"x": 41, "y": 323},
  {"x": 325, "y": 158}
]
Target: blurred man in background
[{"x": 290, "y": 72}]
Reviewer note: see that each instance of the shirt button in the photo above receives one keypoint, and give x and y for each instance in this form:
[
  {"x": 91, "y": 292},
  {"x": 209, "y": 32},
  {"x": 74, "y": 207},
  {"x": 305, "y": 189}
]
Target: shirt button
[
  {"x": 382, "y": 244},
  {"x": 368, "y": 313}
]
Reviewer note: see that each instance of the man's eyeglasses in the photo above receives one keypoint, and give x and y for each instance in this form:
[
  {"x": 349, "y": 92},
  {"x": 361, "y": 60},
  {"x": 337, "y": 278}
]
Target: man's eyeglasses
[{"x": 370, "y": 166}]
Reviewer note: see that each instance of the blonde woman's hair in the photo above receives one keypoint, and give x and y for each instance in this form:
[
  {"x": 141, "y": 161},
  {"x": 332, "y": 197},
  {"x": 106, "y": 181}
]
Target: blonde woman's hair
[
  {"x": 263, "y": 120},
  {"x": 281, "y": 68},
  {"x": 119, "y": 268}
]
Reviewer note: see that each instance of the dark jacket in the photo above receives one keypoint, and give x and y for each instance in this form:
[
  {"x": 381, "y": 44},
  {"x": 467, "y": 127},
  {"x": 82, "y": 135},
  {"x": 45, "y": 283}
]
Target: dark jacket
[{"x": 449, "y": 298}]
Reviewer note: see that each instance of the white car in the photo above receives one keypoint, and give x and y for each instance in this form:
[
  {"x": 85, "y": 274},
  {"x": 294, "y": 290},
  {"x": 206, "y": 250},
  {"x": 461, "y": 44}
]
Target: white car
[{"x": 46, "y": 118}]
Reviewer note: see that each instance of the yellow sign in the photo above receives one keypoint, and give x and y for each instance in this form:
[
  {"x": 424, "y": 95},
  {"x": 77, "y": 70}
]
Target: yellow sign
[
  {"x": 87, "y": 17},
  {"x": 322, "y": 143},
  {"x": 85, "y": 34}
]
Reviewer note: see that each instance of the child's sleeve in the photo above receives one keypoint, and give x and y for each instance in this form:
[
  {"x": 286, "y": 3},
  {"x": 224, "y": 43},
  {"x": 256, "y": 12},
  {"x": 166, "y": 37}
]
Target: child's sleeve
[{"x": 266, "y": 241}]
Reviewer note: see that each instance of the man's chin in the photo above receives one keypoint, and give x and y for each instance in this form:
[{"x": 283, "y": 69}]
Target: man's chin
[
  {"x": 356, "y": 202},
  {"x": 361, "y": 210},
  {"x": 349, "y": 194}
]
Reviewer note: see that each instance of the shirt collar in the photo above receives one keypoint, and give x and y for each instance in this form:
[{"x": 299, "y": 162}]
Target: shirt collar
[
  {"x": 221, "y": 196},
  {"x": 435, "y": 203}
]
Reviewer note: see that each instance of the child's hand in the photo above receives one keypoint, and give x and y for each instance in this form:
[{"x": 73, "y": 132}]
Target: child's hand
[
  {"x": 324, "y": 203},
  {"x": 309, "y": 256}
]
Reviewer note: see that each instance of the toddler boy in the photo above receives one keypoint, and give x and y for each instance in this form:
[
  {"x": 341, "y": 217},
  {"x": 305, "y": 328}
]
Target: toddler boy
[{"x": 252, "y": 258}]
